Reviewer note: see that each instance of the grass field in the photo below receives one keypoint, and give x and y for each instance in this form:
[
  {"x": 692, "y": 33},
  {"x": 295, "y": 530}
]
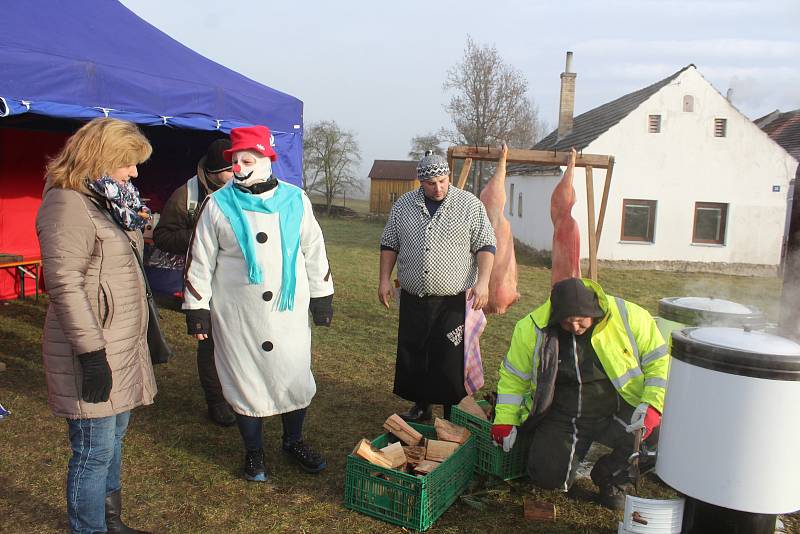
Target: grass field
[{"x": 181, "y": 474}]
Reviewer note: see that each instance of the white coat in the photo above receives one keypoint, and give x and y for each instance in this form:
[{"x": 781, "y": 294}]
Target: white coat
[{"x": 262, "y": 355}]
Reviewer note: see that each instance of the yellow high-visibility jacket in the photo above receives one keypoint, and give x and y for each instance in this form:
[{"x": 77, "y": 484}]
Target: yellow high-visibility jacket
[{"x": 627, "y": 342}]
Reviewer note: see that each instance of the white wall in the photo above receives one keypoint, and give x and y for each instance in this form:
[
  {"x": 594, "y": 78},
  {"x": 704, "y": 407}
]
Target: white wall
[
  {"x": 682, "y": 165},
  {"x": 534, "y": 227}
]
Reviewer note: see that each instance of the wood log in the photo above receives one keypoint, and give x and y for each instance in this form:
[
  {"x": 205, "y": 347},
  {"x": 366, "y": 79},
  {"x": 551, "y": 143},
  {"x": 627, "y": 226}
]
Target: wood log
[
  {"x": 402, "y": 430},
  {"x": 425, "y": 467},
  {"x": 395, "y": 454},
  {"x": 447, "y": 431},
  {"x": 438, "y": 450},
  {"x": 414, "y": 454},
  {"x": 538, "y": 510},
  {"x": 470, "y": 406},
  {"x": 2, "y": 367},
  {"x": 365, "y": 450}
]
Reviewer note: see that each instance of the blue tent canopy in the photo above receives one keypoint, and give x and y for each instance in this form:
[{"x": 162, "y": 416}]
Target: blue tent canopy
[{"x": 89, "y": 58}]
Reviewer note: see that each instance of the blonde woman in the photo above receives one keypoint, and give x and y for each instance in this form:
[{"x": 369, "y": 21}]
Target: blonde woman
[{"x": 95, "y": 346}]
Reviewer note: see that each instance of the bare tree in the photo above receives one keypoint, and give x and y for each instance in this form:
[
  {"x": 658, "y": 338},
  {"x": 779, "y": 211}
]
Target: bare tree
[
  {"x": 490, "y": 103},
  {"x": 421, "y": 143},
  {"x": 330, "y": 158}
]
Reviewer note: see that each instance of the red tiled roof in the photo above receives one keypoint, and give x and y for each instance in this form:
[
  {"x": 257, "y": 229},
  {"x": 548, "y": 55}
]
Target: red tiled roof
[
  {"x": 393, "y": 169},
  {"x": 784, "y": 129}
]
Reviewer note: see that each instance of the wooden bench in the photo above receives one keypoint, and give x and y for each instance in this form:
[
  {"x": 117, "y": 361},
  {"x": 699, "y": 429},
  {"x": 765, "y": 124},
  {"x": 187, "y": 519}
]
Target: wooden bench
[{"x": 24, "y": 268}]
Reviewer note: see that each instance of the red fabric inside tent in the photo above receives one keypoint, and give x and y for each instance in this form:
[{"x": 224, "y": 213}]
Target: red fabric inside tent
[{"x": 23, "y": 156}]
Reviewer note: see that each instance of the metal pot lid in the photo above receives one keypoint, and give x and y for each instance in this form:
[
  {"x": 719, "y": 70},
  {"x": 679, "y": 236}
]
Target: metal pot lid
[
  {"x": 738, "y": 351},
  {"x": 699, "y": 311}
]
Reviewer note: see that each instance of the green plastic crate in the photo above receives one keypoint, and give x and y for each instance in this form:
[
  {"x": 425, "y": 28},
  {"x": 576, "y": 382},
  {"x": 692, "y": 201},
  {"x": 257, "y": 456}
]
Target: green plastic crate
[
  {"x": 410, "y": 501},
  {"x": 491, "y": 458}
]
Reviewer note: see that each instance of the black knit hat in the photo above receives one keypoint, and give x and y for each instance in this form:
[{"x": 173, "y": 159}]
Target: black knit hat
[
  {"x": 571, "y": 298},
  {"x": 214, "y": 160}
]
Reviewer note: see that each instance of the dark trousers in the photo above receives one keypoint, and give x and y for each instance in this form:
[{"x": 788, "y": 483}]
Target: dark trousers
[
  {"x": 558, "y": 446},
  {"x": 430, "y": 349},
  {"x": 207, "y": 371},
  {"x": 250, "y": 429}
]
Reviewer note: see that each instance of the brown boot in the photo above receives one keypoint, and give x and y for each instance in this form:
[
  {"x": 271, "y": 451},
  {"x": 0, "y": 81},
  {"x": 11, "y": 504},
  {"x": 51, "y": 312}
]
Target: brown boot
[{"x": 114, "y": 524}]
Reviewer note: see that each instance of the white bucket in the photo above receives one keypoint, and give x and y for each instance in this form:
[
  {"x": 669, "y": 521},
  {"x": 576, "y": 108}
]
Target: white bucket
[{"x": 663, "y": 516}]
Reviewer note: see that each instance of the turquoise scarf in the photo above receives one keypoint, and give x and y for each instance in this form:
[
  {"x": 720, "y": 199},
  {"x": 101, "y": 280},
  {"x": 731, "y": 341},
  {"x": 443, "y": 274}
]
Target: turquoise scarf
[{"x": 288, "y": 204}]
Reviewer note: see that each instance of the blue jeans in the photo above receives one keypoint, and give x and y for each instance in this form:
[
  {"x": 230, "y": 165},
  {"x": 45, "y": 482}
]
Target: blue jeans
[{"x": 93, "y": 469}]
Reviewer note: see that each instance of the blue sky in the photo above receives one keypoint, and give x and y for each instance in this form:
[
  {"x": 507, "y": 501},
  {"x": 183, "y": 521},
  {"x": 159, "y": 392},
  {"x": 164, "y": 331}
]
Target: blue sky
[{"x": 377, "y": 67}]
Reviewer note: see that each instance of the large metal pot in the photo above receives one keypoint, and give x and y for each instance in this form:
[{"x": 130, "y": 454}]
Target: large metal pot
[
  {"x": 675, "y": 313},
  {"x": 729, "y": 433}
]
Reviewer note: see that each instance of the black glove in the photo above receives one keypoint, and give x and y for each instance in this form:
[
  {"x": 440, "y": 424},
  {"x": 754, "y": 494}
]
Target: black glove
[
  {"x": 96, "y": 385},
  {"x": 198, "y": 321},
  {"x": 322, "y": 310}
]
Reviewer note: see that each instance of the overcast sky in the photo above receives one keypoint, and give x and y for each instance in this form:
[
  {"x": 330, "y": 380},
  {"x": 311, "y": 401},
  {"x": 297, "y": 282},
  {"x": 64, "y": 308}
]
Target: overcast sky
[{"x": 377, "y": 68}]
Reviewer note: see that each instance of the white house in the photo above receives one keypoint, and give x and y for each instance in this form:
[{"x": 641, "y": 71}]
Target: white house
[{"x": 696, "y": 185}]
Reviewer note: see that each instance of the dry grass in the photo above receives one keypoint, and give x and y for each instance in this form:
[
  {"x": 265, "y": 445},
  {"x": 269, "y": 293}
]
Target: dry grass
[{"x": 181, "y": 474}]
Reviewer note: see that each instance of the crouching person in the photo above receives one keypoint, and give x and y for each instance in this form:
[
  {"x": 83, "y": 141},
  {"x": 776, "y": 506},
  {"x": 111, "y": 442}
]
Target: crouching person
[
  {"x": 583, "y": 367},
  {"x": 256, "y": 265}
]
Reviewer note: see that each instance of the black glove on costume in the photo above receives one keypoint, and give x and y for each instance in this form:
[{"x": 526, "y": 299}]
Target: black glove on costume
[
  {"x": 198, "y": 321},
  {"x": 96, "y": 385},
  {"x": 322, "y": 310}
]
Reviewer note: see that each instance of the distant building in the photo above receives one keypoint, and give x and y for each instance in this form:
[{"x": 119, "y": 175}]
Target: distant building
[
  {"x": 390, "y": 178},
  {"x": 696, "y": 184}
]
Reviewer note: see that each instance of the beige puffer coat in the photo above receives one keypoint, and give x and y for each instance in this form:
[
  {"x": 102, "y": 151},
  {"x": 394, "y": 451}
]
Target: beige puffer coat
[{"x": 97, "y": 300}]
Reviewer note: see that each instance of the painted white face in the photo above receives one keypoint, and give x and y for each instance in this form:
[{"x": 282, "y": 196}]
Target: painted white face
[{"x": 250, "y": 167}]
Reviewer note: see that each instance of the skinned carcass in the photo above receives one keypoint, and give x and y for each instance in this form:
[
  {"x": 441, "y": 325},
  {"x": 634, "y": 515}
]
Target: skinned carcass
[
  {"x": 566, "y": 251},
  {"x": 503, "y": 280}
]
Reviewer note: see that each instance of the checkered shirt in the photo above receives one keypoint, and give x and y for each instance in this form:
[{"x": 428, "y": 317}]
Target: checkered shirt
[{"x": 436, "y": 255}]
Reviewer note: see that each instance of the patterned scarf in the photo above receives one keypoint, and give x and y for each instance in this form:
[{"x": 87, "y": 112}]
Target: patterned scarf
[
  {"x": 288, "y": 204},
  {"x": 123, "y": 199}
]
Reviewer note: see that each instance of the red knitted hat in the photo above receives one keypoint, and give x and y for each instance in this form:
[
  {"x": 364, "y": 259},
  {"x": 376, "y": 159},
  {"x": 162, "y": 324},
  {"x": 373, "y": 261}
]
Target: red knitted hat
[{"x": 257, "y": 138}]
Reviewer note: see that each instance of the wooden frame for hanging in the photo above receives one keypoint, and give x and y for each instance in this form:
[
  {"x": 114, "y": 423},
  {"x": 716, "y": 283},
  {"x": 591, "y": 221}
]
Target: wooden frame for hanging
[{"x": 548, "y": 157}]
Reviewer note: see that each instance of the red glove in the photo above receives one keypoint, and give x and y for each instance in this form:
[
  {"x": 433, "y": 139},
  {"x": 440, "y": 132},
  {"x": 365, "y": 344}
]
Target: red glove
[
  {"x": 652, "y": 419},
  {"x": 499, "y": 432}
]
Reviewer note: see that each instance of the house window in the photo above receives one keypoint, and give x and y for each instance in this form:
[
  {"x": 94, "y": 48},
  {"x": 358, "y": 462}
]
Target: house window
[
  {"x": 638, "y": 220},
  {"x": 654, "y": 123},
  {"x": 710, "y": 219},
  {"x": 720, "y": 127},
  {"x": 511, "y": 204},
  {"x": 688, "y": 103},
  {"x": 392, "y": 196},
  {"x": 519, "y": 206}
]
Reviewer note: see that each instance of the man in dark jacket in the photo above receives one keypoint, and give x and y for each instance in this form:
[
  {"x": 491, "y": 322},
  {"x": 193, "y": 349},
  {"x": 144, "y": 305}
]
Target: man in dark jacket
[{"x": 173, "y": 233}]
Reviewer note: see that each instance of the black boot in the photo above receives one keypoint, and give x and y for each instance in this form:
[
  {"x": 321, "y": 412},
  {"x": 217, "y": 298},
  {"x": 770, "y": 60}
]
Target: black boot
[
  {"x": 419, "y": 413},
  {"x": 612, "y": 496},
  {"x": 221, "y": 414},
  {"x": 114, "y": 524},
  {"x": 254, "y": 469}
]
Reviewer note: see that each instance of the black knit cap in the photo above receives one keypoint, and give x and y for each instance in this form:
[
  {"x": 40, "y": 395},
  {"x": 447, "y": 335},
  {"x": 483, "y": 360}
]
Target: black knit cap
[
  {"x": 214, "y": 160},
  {"x": 571, "y": 298}
]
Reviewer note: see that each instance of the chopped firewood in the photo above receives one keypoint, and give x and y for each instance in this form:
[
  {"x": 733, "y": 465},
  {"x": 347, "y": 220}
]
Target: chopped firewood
[
  {"x": 447, "y": 431},
  {"x": 538, "y": 510},
  {"x": 470, "y": 406},
  {"x": 414, "y": 455},
  {"x": 365, "y": 450},
  {"x": 402, "y": 430},
  {"x": 425, "y": 467},
  {"x": 394, "y": 453},
  {"x": 636, "y": 517},
  {"x": 438, "y": 450}
]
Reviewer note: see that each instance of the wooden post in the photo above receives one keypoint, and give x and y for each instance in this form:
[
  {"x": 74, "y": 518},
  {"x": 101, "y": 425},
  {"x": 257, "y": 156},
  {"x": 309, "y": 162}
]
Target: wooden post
[
  {"x": 790, "y": 293},
  {"x": 604, "y": 202},
  {"x": 591, "y": 235},
  {"x": 451, "y": 163},
  {"x": 462, "y": 178}
]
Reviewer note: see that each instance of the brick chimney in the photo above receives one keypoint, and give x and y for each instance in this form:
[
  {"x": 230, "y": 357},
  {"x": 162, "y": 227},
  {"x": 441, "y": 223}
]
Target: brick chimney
[{"x": 566, "y": 108}]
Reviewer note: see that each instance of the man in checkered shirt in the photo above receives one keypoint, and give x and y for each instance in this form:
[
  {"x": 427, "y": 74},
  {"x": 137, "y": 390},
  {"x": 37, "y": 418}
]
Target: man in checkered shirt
[{"x": 443, "y": 244}]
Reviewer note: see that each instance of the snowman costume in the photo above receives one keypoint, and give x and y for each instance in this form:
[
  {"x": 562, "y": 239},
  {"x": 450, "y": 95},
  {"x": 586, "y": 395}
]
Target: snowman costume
[{"x": 256, "y": 263}]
